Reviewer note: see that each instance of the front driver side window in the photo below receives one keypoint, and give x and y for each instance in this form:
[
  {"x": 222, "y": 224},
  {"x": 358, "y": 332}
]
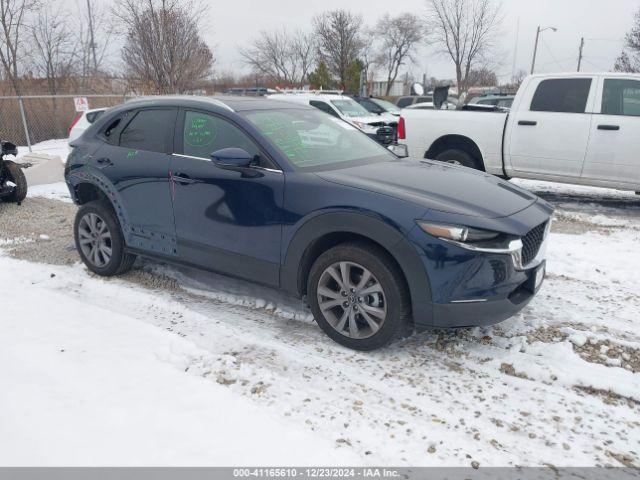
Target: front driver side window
[{"x": 204, "y": 134}]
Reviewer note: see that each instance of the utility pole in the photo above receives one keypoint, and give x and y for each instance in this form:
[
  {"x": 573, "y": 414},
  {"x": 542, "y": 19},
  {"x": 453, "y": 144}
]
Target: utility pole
[
  {"x": 535, "y": 48},
  {"x": 93, "y": 43},
  {"x": 581, "y": 52}
]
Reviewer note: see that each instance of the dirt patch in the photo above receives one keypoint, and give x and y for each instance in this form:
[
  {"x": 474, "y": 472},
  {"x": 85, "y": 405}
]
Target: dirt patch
[
  {"x": 609, "y": 354},
  {"x": 44, "y": 229},
  {"x": 563, "y": 223},
  {"x": 608, "y": 397}
]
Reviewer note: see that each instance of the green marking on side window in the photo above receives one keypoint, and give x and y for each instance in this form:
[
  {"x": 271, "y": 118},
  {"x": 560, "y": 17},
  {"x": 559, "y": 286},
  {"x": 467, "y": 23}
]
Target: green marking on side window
[{"x": 200, "y": 130}]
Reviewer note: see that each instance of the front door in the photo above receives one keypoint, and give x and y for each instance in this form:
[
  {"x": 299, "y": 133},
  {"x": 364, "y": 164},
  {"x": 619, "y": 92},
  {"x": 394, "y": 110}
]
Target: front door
[
  {"x": 614, "y": 145},
  {"x": 225, "y": 220},
  {"x": 549, "y": 130},
  {"x": 135, "y": 161}
]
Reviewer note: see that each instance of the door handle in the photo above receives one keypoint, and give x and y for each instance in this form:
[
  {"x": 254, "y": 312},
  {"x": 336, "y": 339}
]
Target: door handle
[
  {"x": 609, "y": 127},
  {"x": 527, "y": 123},
  {"x": 104, "y": 162},
  {"x": 183, "y": 178}
]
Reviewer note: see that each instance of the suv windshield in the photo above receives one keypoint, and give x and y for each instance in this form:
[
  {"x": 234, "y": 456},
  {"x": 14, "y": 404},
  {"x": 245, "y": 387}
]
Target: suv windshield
[
  {"x": 388, "y": 106},
  {"x": 349, "y": 108},
  {"x": 313, "y": 140}
]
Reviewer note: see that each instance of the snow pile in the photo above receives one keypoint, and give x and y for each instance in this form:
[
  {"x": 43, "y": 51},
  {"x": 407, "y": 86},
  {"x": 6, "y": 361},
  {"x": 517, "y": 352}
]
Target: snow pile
[{"x": 84, "y": 385}]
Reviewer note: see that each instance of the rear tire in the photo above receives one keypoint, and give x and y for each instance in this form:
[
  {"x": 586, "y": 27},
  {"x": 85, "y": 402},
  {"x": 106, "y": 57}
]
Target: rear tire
[
  {"x": 366, "y": 315},
  {"x": 458, "y": 157},
  {"x": 99, "y": 240},
  {"x": 16, "y": 175}
]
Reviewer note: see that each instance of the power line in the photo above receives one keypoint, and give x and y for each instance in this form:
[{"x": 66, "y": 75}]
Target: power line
[{"x": 551, "y": 53}]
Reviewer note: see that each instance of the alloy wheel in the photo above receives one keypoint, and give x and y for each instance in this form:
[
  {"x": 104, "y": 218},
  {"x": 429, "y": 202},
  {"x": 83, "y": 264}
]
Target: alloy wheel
[
  {"x": 352, "y": 300},
  {"x": 94, "y": 238}
]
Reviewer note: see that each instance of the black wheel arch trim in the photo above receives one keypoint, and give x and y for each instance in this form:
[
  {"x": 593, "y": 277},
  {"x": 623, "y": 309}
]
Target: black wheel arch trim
[
  {"x": 373, "y": 228},
  {"x": 459, "y": 142}
]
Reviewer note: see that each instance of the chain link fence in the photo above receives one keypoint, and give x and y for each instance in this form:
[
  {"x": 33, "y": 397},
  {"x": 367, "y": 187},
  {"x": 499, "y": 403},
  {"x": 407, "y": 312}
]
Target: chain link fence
[{"x": 35, "y": 118}]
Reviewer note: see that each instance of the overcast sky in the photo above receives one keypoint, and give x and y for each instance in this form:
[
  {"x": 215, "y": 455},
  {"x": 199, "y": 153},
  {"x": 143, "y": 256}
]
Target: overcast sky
[{"x": 603, "y": 23}]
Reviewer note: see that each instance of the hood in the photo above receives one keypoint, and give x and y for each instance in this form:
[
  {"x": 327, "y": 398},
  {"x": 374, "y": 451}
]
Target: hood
[
  {"x": 376, "y": 120},
  {"x": 437, "y": 186}
]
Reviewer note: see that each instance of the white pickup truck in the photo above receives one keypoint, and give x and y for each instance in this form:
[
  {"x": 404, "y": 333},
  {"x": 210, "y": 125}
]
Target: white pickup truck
[{"x": 581, "y": 128}]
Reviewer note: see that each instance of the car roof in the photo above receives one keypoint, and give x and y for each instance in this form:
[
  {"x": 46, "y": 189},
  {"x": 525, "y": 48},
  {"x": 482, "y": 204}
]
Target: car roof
[
  {"x": 228, "y": 102},
  {"x": 308, "y": 96},
  {"x": 586, "y": 74}
]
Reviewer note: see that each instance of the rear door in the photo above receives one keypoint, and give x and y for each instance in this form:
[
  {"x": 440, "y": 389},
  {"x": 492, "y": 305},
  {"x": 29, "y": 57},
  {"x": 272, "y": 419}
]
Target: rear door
[
  {"x": 614, "y": 144},
  {"x": 135, "y": 161},
  {"x": 550, "y": 127}
]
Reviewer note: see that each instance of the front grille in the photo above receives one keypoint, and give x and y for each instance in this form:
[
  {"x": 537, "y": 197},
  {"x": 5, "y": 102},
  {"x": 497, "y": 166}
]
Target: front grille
[
  {"x": 385, "y": 135},
  {"x": 531, "y": 243}
]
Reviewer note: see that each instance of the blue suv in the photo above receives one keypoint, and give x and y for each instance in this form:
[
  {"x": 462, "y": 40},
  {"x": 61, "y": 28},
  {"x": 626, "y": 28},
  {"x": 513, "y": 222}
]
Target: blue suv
[{"x": 290, "y": 197}]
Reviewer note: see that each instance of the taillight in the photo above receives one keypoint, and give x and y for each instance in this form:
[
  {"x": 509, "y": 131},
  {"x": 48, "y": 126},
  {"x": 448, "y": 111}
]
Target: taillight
[
  {"x": 402, "y": 133},
  {"x": 73, "y": 124}
]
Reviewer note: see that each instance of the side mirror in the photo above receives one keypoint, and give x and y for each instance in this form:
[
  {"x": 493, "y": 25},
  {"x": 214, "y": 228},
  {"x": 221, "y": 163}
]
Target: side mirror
[
  {"x": 232, "y": 158},
  {"x": 399, "y": 150}
]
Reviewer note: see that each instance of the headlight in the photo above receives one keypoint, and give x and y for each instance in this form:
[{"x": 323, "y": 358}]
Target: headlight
[
  {"x": 365, "y": 127},
  {"x": 477, "y": 240},
  {"x": 458, "y": 233}
]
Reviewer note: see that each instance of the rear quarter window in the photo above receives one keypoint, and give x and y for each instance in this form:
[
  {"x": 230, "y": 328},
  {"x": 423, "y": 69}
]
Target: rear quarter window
[
  {"x": 93, "y": 116},
  {"x": 563, "y": 95},
  {"x": 405, "y": 102}
]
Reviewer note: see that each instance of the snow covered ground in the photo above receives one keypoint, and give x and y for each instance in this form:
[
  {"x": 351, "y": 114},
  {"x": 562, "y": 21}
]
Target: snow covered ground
[
  {"x": 57, "y": 147},
  {"x": 174, "y": 366}
]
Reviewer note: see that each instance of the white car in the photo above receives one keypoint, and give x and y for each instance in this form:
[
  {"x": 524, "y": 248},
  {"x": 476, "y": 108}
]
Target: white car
[
  {"x": 581, "y": 128},
  {"x": 83, "y": 121},
  {"x": 447, "y": 105},
  {"x": 380, "y": 127}
]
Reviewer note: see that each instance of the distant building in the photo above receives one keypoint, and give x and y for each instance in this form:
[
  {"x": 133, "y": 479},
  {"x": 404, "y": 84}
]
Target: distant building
[{"x": 378, "y": 88}]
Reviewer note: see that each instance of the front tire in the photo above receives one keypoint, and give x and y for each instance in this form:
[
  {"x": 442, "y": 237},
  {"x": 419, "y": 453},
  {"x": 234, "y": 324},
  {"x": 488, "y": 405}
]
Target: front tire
[
  {"x": 99, "y": 240},
  {"x": 359, "y": 297},
  {"x": 16, "y": 175},
  {"x": 458, "y": 157}
]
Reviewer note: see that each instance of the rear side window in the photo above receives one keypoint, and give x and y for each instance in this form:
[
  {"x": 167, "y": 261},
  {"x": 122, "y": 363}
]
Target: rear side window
[
  {"x": 149, "y": 130},
  {"x": 564, "y": 95},
  {"x": 405, "y": 102},
  {"x": 424, "y": 99},
  {"x": 621, "y": 97}
]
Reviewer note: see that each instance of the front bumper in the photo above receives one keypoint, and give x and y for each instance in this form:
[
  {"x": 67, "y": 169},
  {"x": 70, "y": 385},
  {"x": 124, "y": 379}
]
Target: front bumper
[
  {"x": 473, "y": 288},
  {"x": 488, "y": 311}
]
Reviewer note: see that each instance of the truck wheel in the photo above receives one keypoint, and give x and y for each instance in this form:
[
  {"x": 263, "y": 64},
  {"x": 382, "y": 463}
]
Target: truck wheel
[
  {"x": 458, "y": 157},
  {"x": 16, "y": 175},
  {"x": 359, "y": 297},
  {"x": 99, "y": 240}
]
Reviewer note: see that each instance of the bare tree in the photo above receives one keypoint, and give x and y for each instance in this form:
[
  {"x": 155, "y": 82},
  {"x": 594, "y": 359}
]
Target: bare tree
[
  {"x": 53, "y": 53},
  {"x": 13, "y": 23},
  {"x": 482, "y": 77},
  {"x": 629, "y": 59},
  {"x": 281, "y": 57},
  {"x": 163, "y": 49},
  {"x": 466, "y": 31},
  {"x": 339, "y": 41},
  {"x": 400, "y": 36}
]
